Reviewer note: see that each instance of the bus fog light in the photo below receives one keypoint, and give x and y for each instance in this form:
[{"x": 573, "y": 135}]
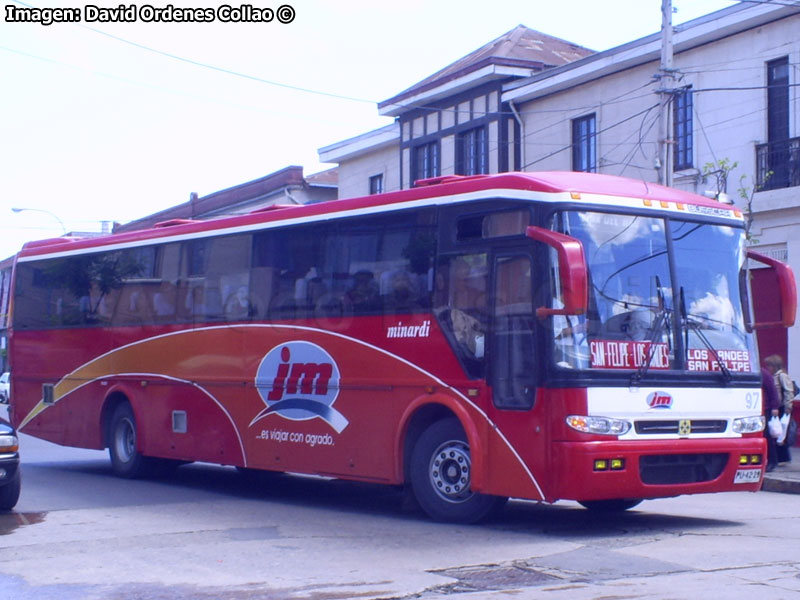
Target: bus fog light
[
  {"x": 3, "y": 473},
  {"x": 605, "y": 464},
  {"x": 601, "y": 425},
  {"x": 748, "y": 425}
]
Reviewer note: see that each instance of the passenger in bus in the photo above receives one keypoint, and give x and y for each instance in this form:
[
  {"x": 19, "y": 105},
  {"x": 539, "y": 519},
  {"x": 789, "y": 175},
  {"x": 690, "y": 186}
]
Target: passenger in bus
[
  {"x": 238, "y": 305},
  {"x": 363, "y": 295},
  {"x": 402, "y": 296},
  {"x": 469, "y": 306},
  {"x": 309, "y": 289},
  {"x": 468, "y": 288},
  {"x": 461, "y": 307}
]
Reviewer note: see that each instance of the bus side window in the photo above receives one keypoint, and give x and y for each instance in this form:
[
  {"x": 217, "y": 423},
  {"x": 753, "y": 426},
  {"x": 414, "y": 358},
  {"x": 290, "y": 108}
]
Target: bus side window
[
  {"x": 215, "y": 283},
  {"x": 165, "y": 293}
]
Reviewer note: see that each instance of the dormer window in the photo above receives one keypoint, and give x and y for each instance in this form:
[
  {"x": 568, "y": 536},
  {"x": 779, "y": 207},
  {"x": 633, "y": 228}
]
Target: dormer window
[
  {"x": 473, "y": 152},
  {"x": 426, "y": 161}
]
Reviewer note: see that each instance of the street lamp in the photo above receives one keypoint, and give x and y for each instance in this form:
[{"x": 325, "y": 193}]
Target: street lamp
[{"x": 47, "y": 212}]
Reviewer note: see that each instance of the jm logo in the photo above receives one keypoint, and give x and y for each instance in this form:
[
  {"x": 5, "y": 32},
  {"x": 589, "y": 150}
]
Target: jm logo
[
  {"x": 300, "y": 381},
  {"x": 662, "y": 400}
]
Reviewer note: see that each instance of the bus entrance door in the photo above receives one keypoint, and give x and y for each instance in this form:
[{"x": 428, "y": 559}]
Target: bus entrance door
[{"x": 512, "y": 367}]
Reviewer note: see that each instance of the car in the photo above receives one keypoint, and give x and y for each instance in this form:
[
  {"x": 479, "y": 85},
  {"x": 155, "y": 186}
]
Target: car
[
  {"x": 10, "y": 476},
  {"x": 5, "y": 387}
]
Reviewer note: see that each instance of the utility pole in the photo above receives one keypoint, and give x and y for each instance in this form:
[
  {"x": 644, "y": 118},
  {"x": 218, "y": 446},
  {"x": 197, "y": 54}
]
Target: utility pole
[{"x": 665, "y": 91}]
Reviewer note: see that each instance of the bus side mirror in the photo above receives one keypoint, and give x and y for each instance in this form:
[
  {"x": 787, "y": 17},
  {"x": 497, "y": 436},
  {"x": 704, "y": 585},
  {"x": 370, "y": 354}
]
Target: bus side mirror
[
  {"x": 787, "y": 292},
  {"x": 571, "y": 271}
]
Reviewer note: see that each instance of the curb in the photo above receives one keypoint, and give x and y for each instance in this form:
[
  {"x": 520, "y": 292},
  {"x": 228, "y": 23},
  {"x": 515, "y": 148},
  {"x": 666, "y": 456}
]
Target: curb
[{"x": 778, "y": 482}]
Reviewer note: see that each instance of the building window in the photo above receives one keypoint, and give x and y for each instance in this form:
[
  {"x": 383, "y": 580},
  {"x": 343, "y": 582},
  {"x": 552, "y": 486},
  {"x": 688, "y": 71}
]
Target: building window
[
  {"x": 778, "y": 161},
  {"x": 425, "y": 161},
  {"x": 376, "y": 184},
  {"x": 778, "y": 100},
  {"x": 584, "y": 144},
  {"x": 682, "y": 134},
  {"x": 472, "y": 152}
]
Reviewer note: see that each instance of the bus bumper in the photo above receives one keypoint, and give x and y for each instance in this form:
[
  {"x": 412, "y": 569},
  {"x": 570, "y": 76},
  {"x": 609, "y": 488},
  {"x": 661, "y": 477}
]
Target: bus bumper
[{"x": 644, "y": 469}]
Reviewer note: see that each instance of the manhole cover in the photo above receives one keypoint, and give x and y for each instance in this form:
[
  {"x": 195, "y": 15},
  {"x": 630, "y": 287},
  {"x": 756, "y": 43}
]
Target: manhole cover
[{"x": 490, "y": 578}]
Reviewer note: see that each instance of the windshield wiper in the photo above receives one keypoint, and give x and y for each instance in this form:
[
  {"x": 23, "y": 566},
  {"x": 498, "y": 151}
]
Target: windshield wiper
[
  {"x": 659, "y": 325},
  {"x": 695, "y": 326}
]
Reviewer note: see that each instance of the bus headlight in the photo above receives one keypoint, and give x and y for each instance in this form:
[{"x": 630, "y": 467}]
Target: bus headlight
[
  {"x": 601, "y": 425},
  {"x": 8, "y": 443},
  {"x": 748, "y": 425}
]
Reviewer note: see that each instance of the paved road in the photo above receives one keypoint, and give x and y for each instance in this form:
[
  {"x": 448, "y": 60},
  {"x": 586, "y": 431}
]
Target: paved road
[{"x": 80, "y": 533}]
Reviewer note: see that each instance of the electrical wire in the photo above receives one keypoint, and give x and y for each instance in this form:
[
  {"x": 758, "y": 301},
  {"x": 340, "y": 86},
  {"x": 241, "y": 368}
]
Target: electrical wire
[
  {"x": 563, "y": 148},
  {"x": 211, "y": 67}
]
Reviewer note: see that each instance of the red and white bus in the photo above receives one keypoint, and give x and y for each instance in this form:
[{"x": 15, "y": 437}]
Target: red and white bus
[{"x": 530, "y": 335}]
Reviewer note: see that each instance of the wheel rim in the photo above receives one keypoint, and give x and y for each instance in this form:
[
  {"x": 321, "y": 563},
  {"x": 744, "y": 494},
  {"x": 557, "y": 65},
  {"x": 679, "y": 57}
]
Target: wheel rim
[
  {"x": 450, "y": 471},
  {"x": 125, "y": 440}
]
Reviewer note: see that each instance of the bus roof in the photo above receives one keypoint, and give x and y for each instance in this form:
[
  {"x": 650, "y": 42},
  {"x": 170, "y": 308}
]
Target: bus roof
[{"x": 545, "y": 182}]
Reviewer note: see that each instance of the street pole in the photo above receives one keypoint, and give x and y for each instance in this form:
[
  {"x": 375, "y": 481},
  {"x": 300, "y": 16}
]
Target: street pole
[
  {"x": 665, "y": 94},
  {"x": 47, "y": 212}
]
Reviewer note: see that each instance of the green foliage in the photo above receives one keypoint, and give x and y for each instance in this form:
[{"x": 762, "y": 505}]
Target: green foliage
[{"x": 746, "y": 191}]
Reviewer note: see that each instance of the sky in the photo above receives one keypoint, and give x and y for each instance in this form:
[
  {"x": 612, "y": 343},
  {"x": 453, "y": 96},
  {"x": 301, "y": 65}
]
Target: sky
[{"x": 104, "y": 121}]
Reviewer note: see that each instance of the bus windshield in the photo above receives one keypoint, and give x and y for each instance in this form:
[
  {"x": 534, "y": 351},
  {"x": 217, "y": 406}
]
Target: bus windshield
[{"x": 646, "y": 315}]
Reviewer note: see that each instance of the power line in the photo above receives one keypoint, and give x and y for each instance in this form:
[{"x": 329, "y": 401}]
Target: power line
[
  {"x": 160, "y": 88},
  {"x": 746, "y": 88},
  {"x": 228, "y": 71},
  {"x": 789, "y": 3},
  {"x": 203, "y": 65},
  {"x": 410, "y": 106},
  {"x": 454, "y": 110},
  {"x": 705, "y": 135},
  {"x": 563, "y": 148}
]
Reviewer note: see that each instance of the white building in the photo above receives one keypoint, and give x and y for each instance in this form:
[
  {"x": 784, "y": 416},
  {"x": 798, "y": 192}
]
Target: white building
[
  {"x": 451, "y": 122},
  {"x": 734, "y": 100}
]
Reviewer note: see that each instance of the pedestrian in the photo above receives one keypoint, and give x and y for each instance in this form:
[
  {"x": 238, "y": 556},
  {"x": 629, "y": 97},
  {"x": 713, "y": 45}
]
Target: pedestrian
[
  {"x": 771, "y": 406},
  {"x": 783, "y": 383}
]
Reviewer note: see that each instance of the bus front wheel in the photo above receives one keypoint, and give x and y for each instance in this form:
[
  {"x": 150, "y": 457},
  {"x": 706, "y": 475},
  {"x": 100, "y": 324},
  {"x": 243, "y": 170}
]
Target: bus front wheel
[
  {"x": 441, "y": 475},
  {"x": 126, "y": 461}
]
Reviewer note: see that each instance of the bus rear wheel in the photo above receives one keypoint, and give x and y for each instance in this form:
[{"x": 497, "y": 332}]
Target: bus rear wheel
[
  {"x": 126, "y": 460},
  {"x": 441, "y": 475}
]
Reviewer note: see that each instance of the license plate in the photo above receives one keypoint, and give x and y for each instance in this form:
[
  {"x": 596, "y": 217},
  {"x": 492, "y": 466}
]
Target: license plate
[{"x": 747, "y": 476}]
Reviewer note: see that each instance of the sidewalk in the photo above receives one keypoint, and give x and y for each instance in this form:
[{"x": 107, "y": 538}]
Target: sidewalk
[{"x": 785, "y": 478}]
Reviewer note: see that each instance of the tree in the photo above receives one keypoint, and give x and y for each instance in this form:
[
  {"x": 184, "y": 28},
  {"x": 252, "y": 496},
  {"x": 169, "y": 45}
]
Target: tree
[{"x": 720, "y": 170}]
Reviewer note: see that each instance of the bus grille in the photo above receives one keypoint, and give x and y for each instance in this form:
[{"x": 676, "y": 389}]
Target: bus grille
[
  {"x": 667, "y": 427},
  {"x": 666, "y": 469}
]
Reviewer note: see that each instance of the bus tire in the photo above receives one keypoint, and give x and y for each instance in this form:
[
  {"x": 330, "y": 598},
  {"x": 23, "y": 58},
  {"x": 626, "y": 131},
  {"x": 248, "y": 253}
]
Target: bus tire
[
  {"x": 440, "y": 476},
  {"x": 610, "y": 506},
  {"x": 126, "y": 460},
  {"x": 9, "y": 493}
]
